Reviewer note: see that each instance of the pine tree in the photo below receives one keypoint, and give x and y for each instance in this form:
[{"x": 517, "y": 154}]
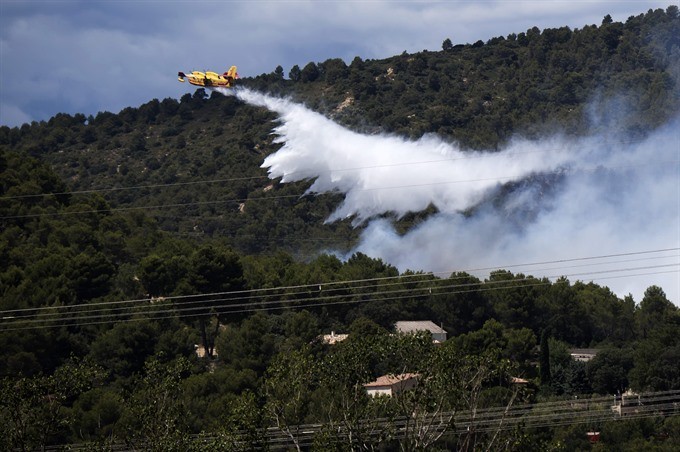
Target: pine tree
[{"x": 544, "y": 363}]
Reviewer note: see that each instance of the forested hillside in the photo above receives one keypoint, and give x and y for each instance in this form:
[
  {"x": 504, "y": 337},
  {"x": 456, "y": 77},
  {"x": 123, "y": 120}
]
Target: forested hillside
[{"x": 131, "y": 241}]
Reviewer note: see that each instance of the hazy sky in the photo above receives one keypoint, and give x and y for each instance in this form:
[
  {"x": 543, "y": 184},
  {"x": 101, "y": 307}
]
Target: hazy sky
[{"x": 98, "y": 55}]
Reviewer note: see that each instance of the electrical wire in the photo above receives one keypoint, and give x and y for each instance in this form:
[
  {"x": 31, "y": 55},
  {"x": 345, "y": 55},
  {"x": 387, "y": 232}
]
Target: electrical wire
[
  {"x": 104, "y": 316},
  {"x": 462, "y": 422},
  {"x": 326, "y": 286}
]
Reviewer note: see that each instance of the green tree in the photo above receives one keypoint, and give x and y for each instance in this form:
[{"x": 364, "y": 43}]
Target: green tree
[
  {"x": 295, "y": 73},
  {"x": 123, "y": 349},
  {"x": 244, "y": 428},
  {"x": 161, "y": 276},
  {"x": 309, "y": 73},
  {"x": 608, "y": 371},
  {"x": 213, "y": 272},
  {"x": 250, "y": 345},
  {"x": 334, "y": 70},
  {"x": 288, "y": 386},
  {"x": 544, "y": 363},
  {"x": 654, "y": 310},
  {"x": 351, "y": 415},
  {"x": 156, "y": 416},
  {"x": 96, "y": 415},
  {"x": 34, "y": 411}
]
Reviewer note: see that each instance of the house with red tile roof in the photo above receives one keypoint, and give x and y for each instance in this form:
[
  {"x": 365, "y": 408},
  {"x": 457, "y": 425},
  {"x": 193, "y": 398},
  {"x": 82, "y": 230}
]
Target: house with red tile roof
[{"x": 389, "y": 385}]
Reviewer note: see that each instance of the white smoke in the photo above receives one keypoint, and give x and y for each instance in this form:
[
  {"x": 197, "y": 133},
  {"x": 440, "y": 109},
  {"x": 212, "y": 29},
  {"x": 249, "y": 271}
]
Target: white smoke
[{"x": 564, "y": 199}]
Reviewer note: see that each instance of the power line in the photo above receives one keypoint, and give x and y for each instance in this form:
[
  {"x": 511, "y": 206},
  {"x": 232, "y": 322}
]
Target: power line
[
  {"x": 135, "y": 187},
  {"x": 295, "y": 303},
  {"x": 398, "y": 278},
  {"x": 463, "y": 421}
]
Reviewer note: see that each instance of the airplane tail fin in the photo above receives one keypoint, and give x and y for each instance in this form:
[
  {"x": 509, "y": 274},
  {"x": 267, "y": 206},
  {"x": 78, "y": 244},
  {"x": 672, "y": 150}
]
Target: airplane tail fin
[
  {"x": 180, "y": 76},
  {"x": 231, "y": 73}
]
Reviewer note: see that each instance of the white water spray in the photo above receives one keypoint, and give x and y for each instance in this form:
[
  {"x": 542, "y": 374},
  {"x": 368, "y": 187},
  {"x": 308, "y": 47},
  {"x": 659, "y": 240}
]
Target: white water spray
[{"x": 563, "y": 198}]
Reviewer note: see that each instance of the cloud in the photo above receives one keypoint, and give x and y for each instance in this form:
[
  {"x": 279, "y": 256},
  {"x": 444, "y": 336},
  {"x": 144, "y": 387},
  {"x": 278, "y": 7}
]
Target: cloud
[
  {"x": 611, "y": 205},
  {"x": 80, "y": 71},
  {"x": 12, "y": 114}
]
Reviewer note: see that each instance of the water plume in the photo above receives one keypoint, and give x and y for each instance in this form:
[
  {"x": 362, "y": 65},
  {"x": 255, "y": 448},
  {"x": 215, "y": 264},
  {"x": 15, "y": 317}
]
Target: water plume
[{"x": 558, "y": 198}]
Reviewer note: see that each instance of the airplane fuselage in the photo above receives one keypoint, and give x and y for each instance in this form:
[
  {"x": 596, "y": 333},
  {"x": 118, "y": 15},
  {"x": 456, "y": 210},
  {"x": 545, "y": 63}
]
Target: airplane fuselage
[{"x": 209, "y": 78}]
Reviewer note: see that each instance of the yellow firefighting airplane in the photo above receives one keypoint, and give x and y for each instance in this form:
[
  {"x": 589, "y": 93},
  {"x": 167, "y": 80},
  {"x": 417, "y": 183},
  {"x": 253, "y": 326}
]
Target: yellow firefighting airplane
[{"x": 210, "y": 79}]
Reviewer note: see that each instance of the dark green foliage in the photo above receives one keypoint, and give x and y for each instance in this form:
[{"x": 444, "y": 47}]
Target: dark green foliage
[
  {"x": 34, "y": 411},
  {"x": 294, "y": 73},
  {"x": 309, "y": 73},
  {"x": 123, "y": 349},
  {"x": 250, "y": 345},
  {"x": 608, "y": 371},
  {"x": 544, "y": 363},
  {"x": 156, "y": 415}
]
